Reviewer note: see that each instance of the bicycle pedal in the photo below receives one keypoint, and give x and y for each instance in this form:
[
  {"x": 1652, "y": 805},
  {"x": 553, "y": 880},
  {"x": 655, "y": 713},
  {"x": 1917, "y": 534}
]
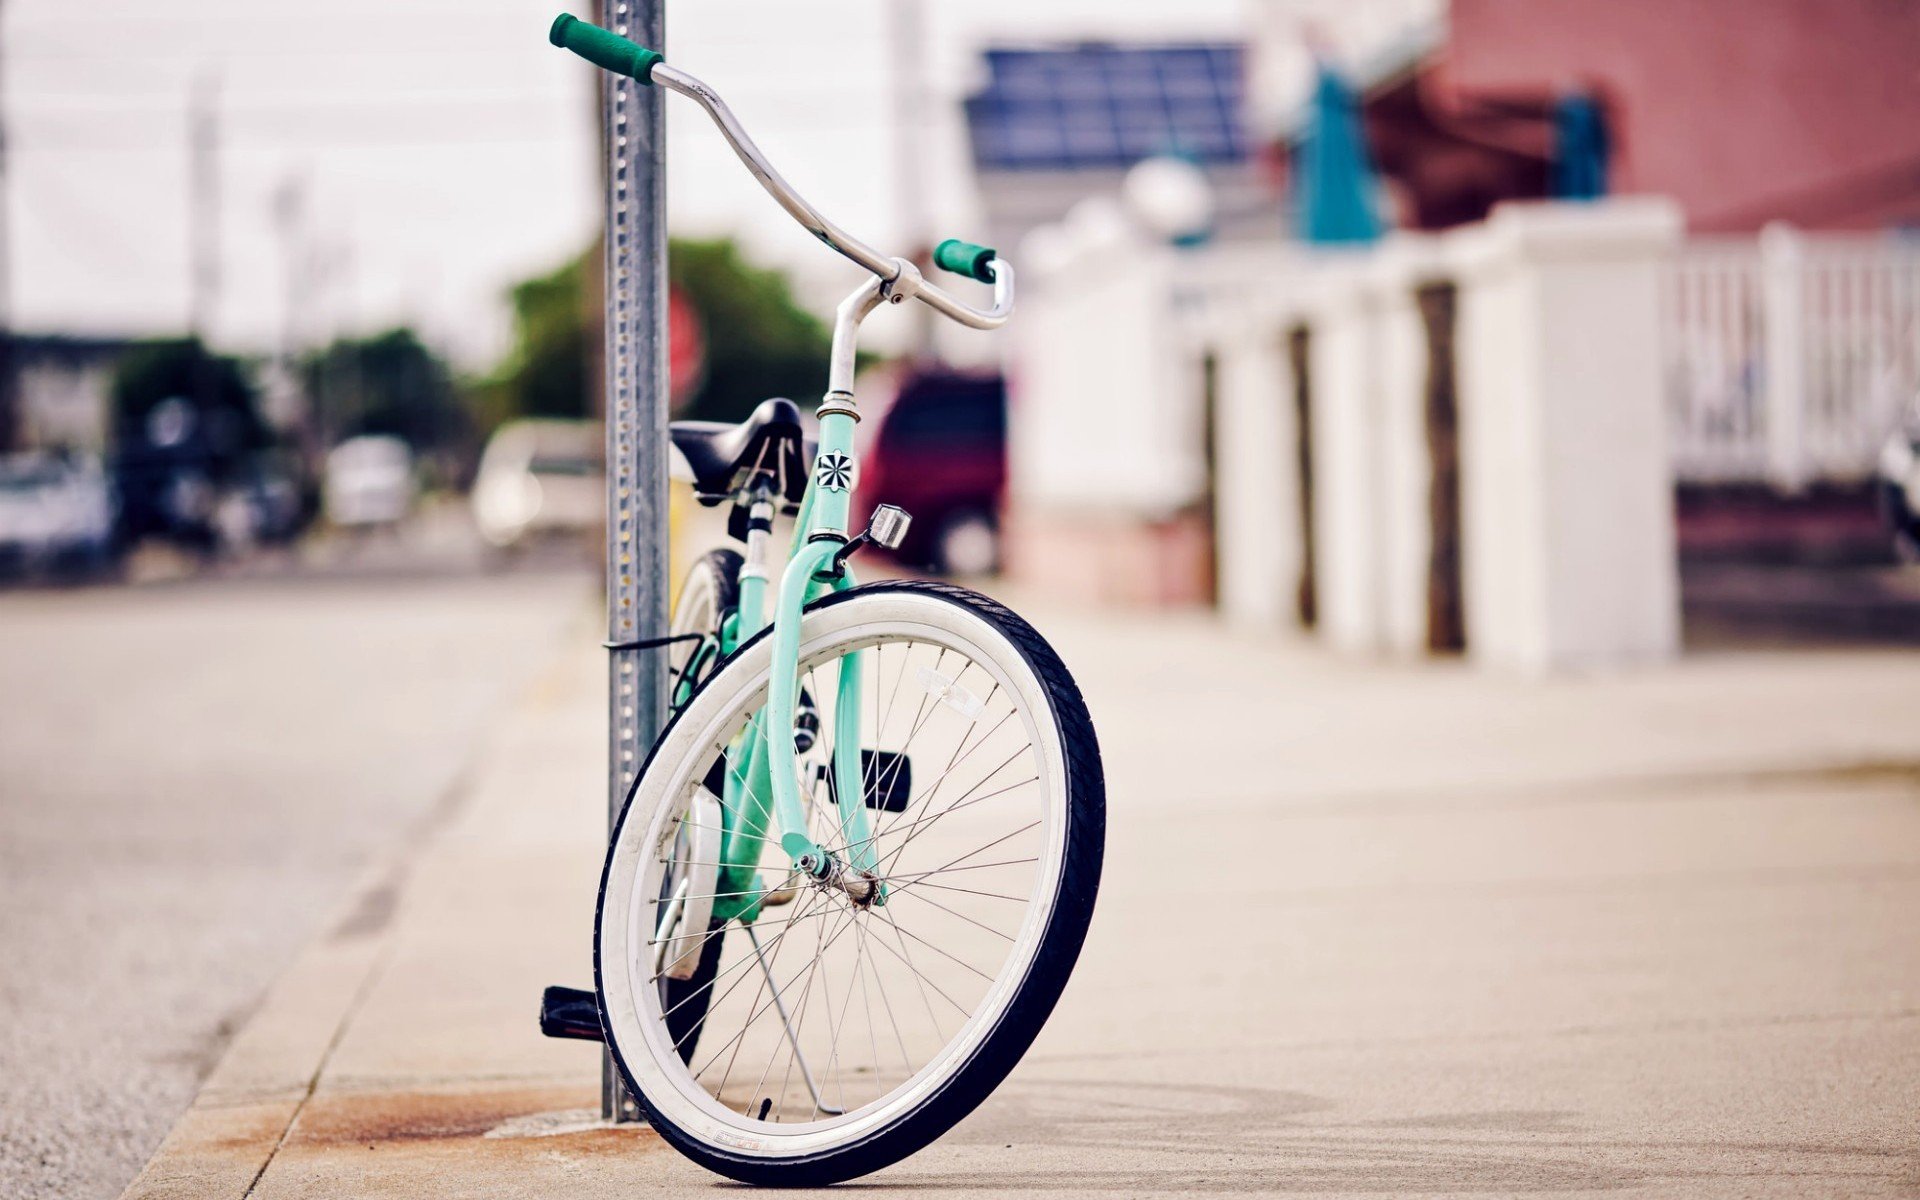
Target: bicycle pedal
[{"x": 571, "y": 1013}]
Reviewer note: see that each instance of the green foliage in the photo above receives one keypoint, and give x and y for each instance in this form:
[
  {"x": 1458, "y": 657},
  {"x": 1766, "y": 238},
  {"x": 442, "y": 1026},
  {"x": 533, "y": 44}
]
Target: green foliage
[
  {"x": 389, "y": 383},
  {"x": 759, "y": 342},
  {"x": 546, "y": 374},
  {"x": 215, "y": 386}
]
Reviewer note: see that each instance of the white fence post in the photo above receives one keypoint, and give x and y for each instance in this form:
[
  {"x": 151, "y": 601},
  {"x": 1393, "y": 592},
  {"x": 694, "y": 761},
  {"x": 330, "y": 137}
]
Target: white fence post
[
  {"x": 1783, "y": 295},
  {"x": 1567, "y": 538},
  {"x": 1401, "y": 266},
  {"x": 1257, "y": 520},
  {"x": 1347, "y": 466}
]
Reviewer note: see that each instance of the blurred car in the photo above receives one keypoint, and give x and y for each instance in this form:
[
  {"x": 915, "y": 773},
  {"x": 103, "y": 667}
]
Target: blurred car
[
  {"x": 271, "y": 493},
  {"x": 1897, "y": 480},
  {"x": 56, "y": 513},
  {"x": 368, "y": 482},
  {"x": 537, "y": 478},
  {"x": 940, "y": 452},
  {"x": 163, "y": 476}
]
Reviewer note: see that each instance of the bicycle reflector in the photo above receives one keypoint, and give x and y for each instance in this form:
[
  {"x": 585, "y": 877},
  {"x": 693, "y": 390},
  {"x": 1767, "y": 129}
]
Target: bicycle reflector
[{"x": 888, "y": 526}]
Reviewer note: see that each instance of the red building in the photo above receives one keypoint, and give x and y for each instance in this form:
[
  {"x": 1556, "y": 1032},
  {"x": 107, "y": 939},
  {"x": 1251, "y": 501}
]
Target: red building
[{"x": 1745, "y": 111}]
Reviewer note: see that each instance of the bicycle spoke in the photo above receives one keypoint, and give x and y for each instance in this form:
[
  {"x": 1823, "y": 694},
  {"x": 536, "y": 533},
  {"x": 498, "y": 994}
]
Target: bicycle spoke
[
  {"x": 963, "y": 802},
  {"x": 723, "y": 974},
  {"x": 964, "y": 917},
  {"x": 947, "y": 887},
  {"x": 904, "y": 957}
]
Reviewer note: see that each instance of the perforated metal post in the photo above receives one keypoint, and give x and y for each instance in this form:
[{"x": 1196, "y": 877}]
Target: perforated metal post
[{"x": 636, "y": 412}]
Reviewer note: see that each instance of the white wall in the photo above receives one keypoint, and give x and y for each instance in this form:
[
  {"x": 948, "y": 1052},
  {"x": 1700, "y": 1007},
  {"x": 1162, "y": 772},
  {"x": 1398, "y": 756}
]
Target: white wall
[
  {"x": 1567, "y": 539},
  {"x": 1401, "y": 266},
  {"x": 1257, "y": 509},
  {"x": 1567, "y": 491},
  {"x": 1105, "y": 411},
  {"x": 1343, "y": 353}
]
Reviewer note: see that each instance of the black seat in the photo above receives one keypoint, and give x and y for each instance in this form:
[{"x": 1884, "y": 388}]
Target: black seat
[{"x": 713, "y": 454}]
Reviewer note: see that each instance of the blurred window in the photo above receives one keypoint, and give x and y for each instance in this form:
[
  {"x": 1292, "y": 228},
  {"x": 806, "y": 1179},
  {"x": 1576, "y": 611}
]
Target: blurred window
[
  {"x": 969, "y": 416},
  {"x": 547, "y": 464}
]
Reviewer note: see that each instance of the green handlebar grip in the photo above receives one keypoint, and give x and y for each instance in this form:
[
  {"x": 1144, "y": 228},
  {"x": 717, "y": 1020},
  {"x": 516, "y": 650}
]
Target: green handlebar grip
[
  {"x": 964, "y": 258},
  {"x": 603, "y": 48}
]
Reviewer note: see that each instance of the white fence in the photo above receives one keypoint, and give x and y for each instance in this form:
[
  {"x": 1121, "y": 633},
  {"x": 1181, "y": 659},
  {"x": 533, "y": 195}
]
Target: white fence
[{"x": 1790, "y": 356}]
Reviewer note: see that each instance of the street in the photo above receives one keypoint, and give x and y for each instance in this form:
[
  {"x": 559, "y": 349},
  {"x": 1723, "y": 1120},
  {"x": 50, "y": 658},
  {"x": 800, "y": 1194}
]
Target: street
[
  {"x": 193, "y": 776},
  {"x": 1364, "y": 929}
]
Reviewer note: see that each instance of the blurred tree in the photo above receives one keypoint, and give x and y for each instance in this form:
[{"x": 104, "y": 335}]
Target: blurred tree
[
  {"x": 546, "y": 373},
  {"x": 390, "y": 383},
  {"x": 759, "y": 343},
  {"x": 214, "y": 388}
]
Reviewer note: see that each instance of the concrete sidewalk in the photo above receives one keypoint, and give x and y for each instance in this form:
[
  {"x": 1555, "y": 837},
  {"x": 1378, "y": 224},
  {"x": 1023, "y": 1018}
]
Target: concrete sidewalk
[{"x": 1655, "y": 932}]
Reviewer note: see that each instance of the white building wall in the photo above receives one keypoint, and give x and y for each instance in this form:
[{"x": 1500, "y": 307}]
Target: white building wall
[
  {"x": 1567, "y": 491},
  {"x": 1401, "y": 267},
  {"x": 1105, "y": 412},
  {"x": 1257, "y": 512},
  {"x": 1347, "y": 465}
]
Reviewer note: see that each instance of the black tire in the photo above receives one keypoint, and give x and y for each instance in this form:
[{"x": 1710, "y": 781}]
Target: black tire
[
  {"x": 1002, "y": 1047},
  {"x": 687, "y": 999}
]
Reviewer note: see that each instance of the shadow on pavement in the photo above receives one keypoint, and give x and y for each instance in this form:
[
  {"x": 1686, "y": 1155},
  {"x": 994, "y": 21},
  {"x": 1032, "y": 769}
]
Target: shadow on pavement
[{"x": 1749, "y": 605}]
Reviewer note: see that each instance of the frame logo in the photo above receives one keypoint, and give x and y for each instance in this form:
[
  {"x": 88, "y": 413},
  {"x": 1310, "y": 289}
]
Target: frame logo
[{"x": 834, "y": 472}]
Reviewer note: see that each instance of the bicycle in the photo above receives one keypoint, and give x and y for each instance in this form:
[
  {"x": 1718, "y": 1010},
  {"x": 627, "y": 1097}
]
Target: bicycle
[{"x": 853, "y": 874}]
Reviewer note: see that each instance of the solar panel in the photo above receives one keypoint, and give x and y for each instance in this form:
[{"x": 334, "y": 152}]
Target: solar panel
[{"x": 1108, "y": 106}]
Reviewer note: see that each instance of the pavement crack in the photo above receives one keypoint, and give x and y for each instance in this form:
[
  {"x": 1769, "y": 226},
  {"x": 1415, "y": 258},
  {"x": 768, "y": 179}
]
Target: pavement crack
[{"x": 375, "y": 972}]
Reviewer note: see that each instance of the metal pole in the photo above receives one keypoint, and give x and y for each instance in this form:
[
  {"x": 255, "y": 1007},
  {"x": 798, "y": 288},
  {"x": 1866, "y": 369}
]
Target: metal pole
[
  {"x": 636, "y": 418},
  {"x": 9, "y": 416}
]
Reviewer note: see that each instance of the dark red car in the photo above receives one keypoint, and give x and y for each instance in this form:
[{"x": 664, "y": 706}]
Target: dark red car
[{"x": 940, "y": 452}]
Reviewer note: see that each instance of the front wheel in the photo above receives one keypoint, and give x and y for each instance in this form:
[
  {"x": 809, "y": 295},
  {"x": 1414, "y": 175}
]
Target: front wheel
[{"x": 839, "y": 1033}]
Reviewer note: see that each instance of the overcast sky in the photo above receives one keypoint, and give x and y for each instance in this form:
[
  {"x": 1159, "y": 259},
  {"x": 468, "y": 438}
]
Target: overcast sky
[{"x": 442, "y": 149}]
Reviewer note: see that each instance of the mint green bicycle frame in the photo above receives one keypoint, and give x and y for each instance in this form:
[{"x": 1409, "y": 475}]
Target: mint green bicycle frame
[
  {"x": 762, "y": 778},
  {"x": 762, "y": 781}
]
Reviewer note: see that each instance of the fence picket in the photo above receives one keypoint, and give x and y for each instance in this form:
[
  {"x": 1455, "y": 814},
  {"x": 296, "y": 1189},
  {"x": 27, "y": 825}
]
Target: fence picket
[{"x": 1791, "y": 356}]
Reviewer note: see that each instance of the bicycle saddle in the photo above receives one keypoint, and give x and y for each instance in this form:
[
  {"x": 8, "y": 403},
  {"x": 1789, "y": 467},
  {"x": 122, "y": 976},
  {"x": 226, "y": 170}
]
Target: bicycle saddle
[{"x": 711, "y": 455}]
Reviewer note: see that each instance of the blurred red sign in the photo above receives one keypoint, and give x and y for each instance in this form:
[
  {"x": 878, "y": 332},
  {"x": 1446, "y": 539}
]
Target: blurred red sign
[{"x": 686, "y": 349}]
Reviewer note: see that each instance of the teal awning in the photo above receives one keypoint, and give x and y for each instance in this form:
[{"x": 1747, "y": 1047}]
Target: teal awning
[
  {"x": 1334, "y": 185},
  {"x": 1580, "y": 151}
]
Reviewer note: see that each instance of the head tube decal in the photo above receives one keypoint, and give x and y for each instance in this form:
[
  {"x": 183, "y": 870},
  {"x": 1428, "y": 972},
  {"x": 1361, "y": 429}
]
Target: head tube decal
[{"x": 834, "y": 472}]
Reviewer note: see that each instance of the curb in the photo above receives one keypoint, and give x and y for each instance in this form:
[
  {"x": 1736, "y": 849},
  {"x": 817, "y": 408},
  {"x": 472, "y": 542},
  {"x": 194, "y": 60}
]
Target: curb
[
  {"x": 223, "y": 1142},
  {"x": 251, "y": 1102}
]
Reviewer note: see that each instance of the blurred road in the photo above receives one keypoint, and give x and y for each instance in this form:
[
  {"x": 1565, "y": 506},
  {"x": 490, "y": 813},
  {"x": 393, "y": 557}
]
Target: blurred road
[{"x": 193, "y": 776}]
